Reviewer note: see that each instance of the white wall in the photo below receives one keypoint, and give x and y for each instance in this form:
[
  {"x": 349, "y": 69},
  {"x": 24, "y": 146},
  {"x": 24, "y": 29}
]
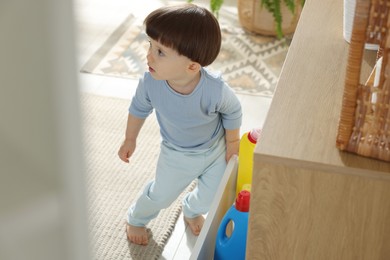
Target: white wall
[{"x": 42, "y": 201}]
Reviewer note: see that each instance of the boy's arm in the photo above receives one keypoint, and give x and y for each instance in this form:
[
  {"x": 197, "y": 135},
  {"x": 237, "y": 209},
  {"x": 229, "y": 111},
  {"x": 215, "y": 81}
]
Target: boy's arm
[
  {"x": 134, "y": 125},
  {"x": 232, "y": 138}
]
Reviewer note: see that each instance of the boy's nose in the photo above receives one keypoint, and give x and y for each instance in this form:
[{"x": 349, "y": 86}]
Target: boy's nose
[{"x": 149, "y": 56}]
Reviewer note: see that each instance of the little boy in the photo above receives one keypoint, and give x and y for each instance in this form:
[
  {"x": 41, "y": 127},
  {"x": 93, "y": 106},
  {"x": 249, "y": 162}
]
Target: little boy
[{"x": 199, "y": 116}]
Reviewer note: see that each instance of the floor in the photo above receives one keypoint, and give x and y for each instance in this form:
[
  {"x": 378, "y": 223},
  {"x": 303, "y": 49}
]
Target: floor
[{"x": 94, "y": 21}]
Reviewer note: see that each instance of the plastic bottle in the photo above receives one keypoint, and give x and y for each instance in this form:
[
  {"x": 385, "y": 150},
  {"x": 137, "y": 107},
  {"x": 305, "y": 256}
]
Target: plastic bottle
[
  {"x": 245, "y": 159},
  {"x": 234, "y": 246}
]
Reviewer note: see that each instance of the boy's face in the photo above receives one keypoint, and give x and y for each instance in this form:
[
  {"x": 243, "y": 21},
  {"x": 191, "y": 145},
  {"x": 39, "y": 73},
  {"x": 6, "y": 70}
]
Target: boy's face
[{"x": 166, "y": 63}]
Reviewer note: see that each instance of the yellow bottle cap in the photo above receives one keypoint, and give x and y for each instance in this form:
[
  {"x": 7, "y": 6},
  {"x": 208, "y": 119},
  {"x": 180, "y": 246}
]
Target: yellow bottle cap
[{"x": 246, "y": 187}]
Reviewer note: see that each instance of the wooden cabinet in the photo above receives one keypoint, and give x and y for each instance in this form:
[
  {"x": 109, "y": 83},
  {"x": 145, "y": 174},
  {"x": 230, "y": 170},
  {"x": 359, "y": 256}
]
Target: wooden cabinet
[{"x": 309, "y": 200}]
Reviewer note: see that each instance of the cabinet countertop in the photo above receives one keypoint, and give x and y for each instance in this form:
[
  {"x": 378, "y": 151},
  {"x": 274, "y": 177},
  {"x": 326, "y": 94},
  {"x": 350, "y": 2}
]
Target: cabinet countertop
[{"x": 302, "y": 122}]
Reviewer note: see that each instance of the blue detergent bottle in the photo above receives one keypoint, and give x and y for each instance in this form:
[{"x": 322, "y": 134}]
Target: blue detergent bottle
[{"x": 233, "y": 246}]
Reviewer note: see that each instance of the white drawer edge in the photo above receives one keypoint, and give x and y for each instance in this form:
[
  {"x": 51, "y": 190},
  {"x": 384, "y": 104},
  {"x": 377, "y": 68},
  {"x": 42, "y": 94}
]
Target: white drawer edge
[{"x": 223, "y": 200}]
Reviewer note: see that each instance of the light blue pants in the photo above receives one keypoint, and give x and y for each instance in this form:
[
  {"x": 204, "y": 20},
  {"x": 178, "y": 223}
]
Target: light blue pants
[{"x": 176, "y": 169}]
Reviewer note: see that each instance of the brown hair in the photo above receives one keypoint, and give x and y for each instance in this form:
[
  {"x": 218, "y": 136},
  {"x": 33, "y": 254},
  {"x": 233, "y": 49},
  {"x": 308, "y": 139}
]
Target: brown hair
[{"x": 191, "y": 30}]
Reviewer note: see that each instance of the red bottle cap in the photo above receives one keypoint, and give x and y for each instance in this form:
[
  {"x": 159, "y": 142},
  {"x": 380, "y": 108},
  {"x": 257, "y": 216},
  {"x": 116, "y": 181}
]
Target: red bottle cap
[
  {"x": 254, "y": 135},
  {"x": 242, "y": 201}
]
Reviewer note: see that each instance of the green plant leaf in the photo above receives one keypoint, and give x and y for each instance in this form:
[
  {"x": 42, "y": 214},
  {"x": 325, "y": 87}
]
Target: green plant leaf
[
  {"x": 273, "y": 6},
  {"x": 290, "y": 5},
  {"x": 215, "y": 6}
]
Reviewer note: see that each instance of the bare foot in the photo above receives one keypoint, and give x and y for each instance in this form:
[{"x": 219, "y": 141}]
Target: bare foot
[
  {"x": 195, "y": 224},
  {"x": 137, "y": 235}
]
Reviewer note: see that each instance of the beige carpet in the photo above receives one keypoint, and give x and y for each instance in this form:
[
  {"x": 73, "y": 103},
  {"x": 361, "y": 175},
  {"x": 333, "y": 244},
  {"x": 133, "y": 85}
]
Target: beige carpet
[
  {"x": 250, "y": 63},
  {"x": 112, "y": 185}
]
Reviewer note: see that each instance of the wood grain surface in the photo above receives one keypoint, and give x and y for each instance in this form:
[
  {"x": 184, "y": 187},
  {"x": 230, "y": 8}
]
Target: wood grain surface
[{"x": 309, "y": 200}]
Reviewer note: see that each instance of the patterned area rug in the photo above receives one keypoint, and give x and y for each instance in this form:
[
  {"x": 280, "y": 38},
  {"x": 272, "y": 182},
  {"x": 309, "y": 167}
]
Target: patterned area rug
[
  {"x": 250, "y": 63},
  {"x": 113, "y": 185}
]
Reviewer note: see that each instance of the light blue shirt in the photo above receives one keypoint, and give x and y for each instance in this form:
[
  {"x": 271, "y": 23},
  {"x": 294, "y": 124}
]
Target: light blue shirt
[{"x": 194, "y": 121}]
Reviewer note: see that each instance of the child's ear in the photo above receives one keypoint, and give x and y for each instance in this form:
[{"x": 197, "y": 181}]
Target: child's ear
[{"x": 194, "y": 67}]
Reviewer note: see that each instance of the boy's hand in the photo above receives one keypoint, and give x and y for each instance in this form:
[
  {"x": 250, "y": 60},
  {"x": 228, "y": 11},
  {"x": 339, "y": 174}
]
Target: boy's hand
[{"x": 126, "y": 150}]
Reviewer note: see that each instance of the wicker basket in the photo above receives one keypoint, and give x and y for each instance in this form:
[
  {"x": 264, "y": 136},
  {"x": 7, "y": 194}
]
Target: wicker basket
[
  {"x": 254, "y": 18},
  {"x": 364, "y": 126}
]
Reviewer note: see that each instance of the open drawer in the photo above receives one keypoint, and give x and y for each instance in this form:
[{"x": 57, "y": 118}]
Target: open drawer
[{"x": 223, "y": 200}]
